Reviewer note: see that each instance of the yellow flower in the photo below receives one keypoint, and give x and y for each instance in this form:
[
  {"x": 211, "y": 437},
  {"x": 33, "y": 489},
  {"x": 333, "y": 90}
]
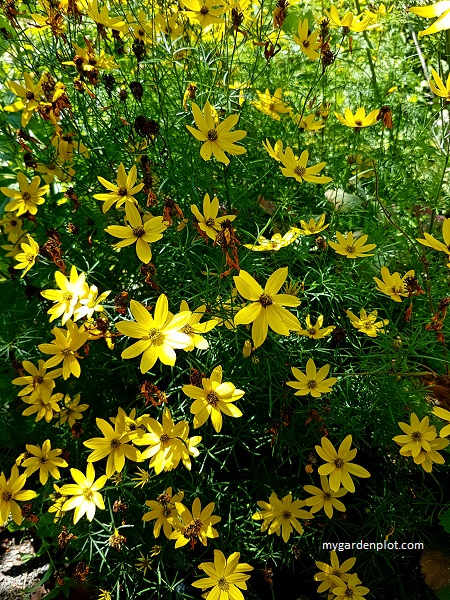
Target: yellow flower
[
  {"x": 324, "y": 498},
  {"x": 27, "y": 258},
  {"x": 64, "y": 349},
  {"x": 72, "y": 411},
  {"x": 68, "y": 296},
  {"x": 10, "y": 491},
  {"x": 440, "y": 10},
  {"x": 138, "y": 232},
  {"x": 158, "y": 335},
  {"x": 39, "y": 384},
  {"x": 338, "y": 465},
  {"x": 194, "y": 526},
  {"x": 88, "y": 61},
  {"x": 43, "y": 408},
  {"x": 349, "y": 589},
  {"x": 307, "y": 41},
  {"x": 276, "y": 242},
  {"x": 440, "y": 89},
  {"x": 281, "y": 516},
  {"x": 104, "y": 594},
  {"x": 431, "y": 242},
  {"x": 86, "y": 497},
  {"x": 90, "y": 303},
  {"x": 417, "y": 436},
  {"x": 276, "y": 152},
  {"x": 209, "y": 222},
  {"x": 123, "y": 192},
  {"x": 164, "y": 511},
  {"x": 130, "y": 424},
  {"x": 58, "y": 502},
  {"x": 359, "y": 119},
  {"x": 214, "y": 399},
  {"x": 11, "y": 224},
  {"x": 216, "y": 139},
  {"x": 426, "y": 458},
  {"x": 333, "y": 569},
  {"x": 102, "y": 17},
  {"x": 194, "y": 328},
  {"x": 225, "y": 576},
  {"x": 311, "y": 228},
  {"x": 203, "y": 12},
  {"x": 167, "y": 443},
  {"x": 315, "y": 331},
  {"x": 296, "y": 167},
  {"x": 114, "y": 445},
  {"x": 351, "y": 247},
  {"x": 266, "y": 308},
  {"x": 271, "y": 105},
  {"x": 45, "y": 460},
  {"x": 442, "y": 413},
  {"x": 349, "y": 21},
  {"x": 28, "y": 198},
  {"x": 29, "y": 96},
  {"x": 393, "y": 285},
  {"x": 308, "y": 123},
  {"x": 367, "y": 323},
  {"x": 313, "y": 382}
]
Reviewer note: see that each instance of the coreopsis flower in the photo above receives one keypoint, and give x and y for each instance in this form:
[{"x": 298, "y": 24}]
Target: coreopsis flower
[
  {"x": 114, "y": 445},
  {"x": 158, "y": 335},
  {"x": 163, "y": 509},
  {"x": 87, "y": 60},
  {"x": 143, "y": 563},
  {"x": 367, "y": 323},
  {"x": 335, "y": 569},
  {"x": 28, "y": 98},
  {"x": 45, "y": 460},
  {"x": 138, "y": 231},
  {"x": 426, "y": 458},
  {"x": 440, "y": 89},
  {"x": 102, "y": 16},
  {"x": 276, "y": 242},
  {"x": 393, "y": 284},
  {"x": 276, "y": 151},
  {"x": 11, "y": 224},
  {"x": 266, "y": 308},
  {"x": 53, "y": 170},
  {"x": 167, "y": 443},
  {"x": 123, "y": 192},
  {"x": 296, "y": 167},
  {"x": 68, "y": 296},
  {"x": 216, "y": 139},
  {"x": 196, "y": 526},
  {"x": 28, "y": 197},
  {"x": 315, "y": 331},
  {"x": 431, "y": 242},
  {"x": 209, "y": 222},
  {"x": 39, "y": 383},
  {"x": 66, "y": 145},
  {"x": 307, "y": 41},
  {"x": 313, "y": 382},
  {"x": 338, "y": 466},
  {"x": 58, "y": 502},
  {"x": 64, "y": 349},
  {"x": 86, "y": 497},
  {"x": 205, "y": 12},
  {"x": 281, "y": 516},
  {"x": 226, "y": 577},
  {"x": 10, "y": 492},
  {"x": 443, "y": 413},
  {"x": 271, "y": 105},
  {"x": 351, "y": 247},
  {"x": 72, "y": 410},
  {"x": 440, "y": 10},
  {"x": 90, "y": 303},
  {"x": 194, "y": 329},
  {"x": 130, "y": 424},
  {"x": 417, "y": 436},
  {"x": 213, "y": 399},
  {"x": 349, "y": 21},
  {"x": 308, "y": 122},
  {"x": 27, "y": 258},
  {"x": 359, "y": 119},
  {"x": 324, "y": 498},
  {"x": 348, "y": 590},
  {"x": 44, "y": 409},
  {"x": 312, "y": 227}
]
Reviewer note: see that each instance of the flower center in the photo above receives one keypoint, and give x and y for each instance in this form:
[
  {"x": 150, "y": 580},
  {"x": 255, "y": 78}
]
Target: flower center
[
  {"x": 212, "y": 135},
  {"x": 416, "y": 436},
  {"x": 312, "y": 330},
  {"x": 29, "y": 258},
  {"x": 265, "y": 300},
  {"x": 43, "y": 459},
  {"x": 115, "y": 443},
  {"x": 187, "y": 329},
  {"x": 204, "y": 10},
  {"x": 300, "y": 171},
  {"x": 312, "y": 384},
  {"x": 397, "y": 290},
  {"x": 339, "y": 463},
  {"x": 326, "y": 496},
  {"x": 348, "y": 593},
  {"x": 350, "y": 249},
  {"x": 88, "y": 494},
  {"x": 306, "y": 44},
  {"x": 26, "y": 196},
  {"x": 6, "y": 496},
  {"x": 358, "y": 123},
  {"x": 29, "y": 95},
  {"x": 67, "y": 297},
  {"x": 286, "y": 514},
  {"x": 210, "y": 222},
  {"x": 212, "y": 398},
  {"x": 138, "y": 231},
  {"x": 192, "y": 530},
  {"x": 66, "y": 351},
  {"x": 122, "y": 191},
  {"x": 223, "y": 584},
  {"x": 156, "y": 337},
  {"x": 163, "y": 499},
  {"x": 164, "y": 438},
  {"x": 37, "y": 380}
]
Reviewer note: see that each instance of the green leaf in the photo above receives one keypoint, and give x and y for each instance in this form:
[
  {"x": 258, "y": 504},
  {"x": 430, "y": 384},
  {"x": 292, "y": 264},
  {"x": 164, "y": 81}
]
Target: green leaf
[
  {"x": 445, "y": 520},
  {"x": 444, "y": 594},
  {"x": 44, "y": 578}
]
